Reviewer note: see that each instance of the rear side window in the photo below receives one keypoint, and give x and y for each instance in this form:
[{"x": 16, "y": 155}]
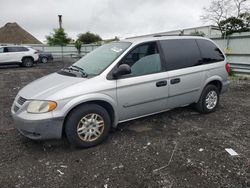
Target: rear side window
[
  {"x": 181, "y": 53},
  {"x": 209, "y": 51},
  {"x": 11, "y": 49},
  {"x": 23, "y": 49},
  {"x": 16, "y": 49},
  {"x": 1, "y": 50}
]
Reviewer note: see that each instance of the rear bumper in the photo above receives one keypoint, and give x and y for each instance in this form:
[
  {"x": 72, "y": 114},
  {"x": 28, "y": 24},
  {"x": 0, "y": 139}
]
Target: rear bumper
[
  {"x": 225, "y": 86},
  {"x": 42, "y": 129}
]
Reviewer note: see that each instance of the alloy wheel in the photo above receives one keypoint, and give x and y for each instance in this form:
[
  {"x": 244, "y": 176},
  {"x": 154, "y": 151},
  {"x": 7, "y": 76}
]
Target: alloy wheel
[
  {"x": 211, "y": 100},
  {"x": 90, "y": 127}
]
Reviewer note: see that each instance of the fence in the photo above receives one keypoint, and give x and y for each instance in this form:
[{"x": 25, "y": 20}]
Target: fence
[
  {"x": 237, "y": 49},
  {"x": 64, "y": 51},
  {"x": 58, "y": 52}
]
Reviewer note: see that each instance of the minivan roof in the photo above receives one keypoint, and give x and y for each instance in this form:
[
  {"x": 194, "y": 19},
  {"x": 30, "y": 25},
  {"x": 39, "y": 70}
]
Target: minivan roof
[{"x": 161, "y": 37}]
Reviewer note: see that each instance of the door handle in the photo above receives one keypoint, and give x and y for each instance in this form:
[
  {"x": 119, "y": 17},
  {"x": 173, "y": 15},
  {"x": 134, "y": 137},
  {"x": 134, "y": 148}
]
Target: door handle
[
  {"x": 175, "y": 81},
  {"x": 161, "y": 83}
]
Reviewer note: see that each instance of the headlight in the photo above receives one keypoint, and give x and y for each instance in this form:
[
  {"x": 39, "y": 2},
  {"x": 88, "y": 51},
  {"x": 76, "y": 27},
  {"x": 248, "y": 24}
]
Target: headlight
[{"x": 41, "y": 106}]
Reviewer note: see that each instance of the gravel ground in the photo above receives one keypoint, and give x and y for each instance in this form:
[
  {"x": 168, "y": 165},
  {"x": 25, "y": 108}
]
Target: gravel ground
[{"x": 179, "y": 148}]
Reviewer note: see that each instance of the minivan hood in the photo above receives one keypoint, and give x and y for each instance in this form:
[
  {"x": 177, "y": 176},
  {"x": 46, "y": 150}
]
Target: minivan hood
[{"x": 48, "y": 85}]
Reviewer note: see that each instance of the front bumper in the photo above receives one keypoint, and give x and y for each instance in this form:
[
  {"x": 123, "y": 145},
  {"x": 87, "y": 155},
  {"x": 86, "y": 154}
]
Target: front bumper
[
  {"x": 36, "y": 126},
  {"x": 39, "y": 129}
]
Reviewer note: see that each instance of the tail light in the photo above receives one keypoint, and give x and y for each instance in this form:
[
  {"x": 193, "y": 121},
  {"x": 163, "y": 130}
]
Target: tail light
[{"x": 227, "y": 66}]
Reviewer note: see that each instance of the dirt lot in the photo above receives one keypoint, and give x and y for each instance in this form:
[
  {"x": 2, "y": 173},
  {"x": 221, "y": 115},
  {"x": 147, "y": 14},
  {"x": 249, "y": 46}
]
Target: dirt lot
[{"x": 189, "y": 146}]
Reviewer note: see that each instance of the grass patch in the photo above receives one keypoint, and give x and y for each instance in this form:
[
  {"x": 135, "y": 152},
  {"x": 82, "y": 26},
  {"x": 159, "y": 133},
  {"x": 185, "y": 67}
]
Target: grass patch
[{"x": 231, "y": 72}]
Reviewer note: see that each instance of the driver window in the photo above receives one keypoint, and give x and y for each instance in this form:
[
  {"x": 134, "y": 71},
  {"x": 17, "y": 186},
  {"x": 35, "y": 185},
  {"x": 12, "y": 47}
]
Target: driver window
[{"x": 144, "y": 59}]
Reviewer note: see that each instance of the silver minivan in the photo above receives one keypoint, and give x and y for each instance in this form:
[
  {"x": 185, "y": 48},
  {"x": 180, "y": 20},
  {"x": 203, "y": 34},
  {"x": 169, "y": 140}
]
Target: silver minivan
[{"x": 121, "y": 81}]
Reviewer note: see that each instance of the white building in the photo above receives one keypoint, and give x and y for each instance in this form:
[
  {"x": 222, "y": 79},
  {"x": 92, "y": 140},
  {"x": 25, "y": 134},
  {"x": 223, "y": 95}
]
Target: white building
[{"x": 209, "y": 31}]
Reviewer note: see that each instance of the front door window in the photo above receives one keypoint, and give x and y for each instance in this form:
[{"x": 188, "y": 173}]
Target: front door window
[{"x": 144, "y": 59}]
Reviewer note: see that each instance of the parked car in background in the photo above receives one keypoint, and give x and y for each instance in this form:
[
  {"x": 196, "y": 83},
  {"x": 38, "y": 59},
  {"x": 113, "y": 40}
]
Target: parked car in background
[
  {"x": 121, "y": 81},
  {"x": 45, "y": 57},
  {"x": 21, "y": 55}
]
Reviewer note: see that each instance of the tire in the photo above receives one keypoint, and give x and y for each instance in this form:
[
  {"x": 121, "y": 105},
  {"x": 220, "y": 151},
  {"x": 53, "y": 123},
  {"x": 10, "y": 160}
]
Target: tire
[
  {"x": 212, "y": 95},
  {"x": 27, "y": 62},
  {"x": 88, "y": 125},
  {"x": 44, "y": 60}
]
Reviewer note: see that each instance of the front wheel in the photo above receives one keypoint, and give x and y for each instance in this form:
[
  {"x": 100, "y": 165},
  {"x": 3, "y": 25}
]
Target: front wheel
[
  {"x": 87, "y": 125},
  {"x": 209, "y": 99}
]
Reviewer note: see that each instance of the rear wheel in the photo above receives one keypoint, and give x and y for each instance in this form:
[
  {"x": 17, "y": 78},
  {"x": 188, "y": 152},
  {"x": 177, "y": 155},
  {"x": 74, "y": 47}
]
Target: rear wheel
[
  {"x": 27, "y": 62},
  {"x": 209, "y": 99},
  {"x": 87, "y": 125}
]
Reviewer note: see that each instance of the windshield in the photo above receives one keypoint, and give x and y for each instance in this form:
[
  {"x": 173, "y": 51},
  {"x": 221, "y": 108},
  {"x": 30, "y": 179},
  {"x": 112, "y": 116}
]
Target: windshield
[{"x": 99, "y": 59}]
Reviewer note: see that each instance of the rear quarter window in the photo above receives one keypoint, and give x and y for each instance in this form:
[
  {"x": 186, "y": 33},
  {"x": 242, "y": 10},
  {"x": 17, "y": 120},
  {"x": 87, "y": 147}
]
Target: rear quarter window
[
  {"x": 23, "y": 49},
  {"x": 209, "y": 51},
  {"x": 181, "y": 53}
]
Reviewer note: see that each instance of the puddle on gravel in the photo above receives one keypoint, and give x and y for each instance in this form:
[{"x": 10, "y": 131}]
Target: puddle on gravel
[{"x": 139, "y": 129}]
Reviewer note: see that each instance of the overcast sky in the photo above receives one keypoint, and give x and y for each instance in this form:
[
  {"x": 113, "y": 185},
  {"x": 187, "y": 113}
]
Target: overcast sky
[{"x": 108, "y": 18}]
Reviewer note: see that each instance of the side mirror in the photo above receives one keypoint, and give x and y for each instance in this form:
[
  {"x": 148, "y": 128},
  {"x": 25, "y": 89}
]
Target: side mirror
[{"x": 123, "y": 69}]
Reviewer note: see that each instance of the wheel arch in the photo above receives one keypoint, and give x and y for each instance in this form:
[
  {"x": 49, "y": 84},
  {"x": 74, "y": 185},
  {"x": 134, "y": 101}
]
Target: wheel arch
[
  {"x": 27, "y": 57},
  {"x": 103, "y": 103},
  {"x": 216, "y": 81}
]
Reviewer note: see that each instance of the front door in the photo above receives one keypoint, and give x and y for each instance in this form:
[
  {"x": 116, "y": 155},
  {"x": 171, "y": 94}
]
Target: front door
[{"x": 145, "y": 90}]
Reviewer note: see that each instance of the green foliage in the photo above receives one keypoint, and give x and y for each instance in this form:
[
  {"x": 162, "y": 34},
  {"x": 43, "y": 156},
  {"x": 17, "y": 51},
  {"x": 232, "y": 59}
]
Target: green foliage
[
  {"x": 112, "y": 40},
  {"x": 235, "y": 25},
  {"x": 59, "y": 37},
  {"x": 88, "y": 38},
  {"x": 231, "y": 16},
  {"x": 231, "y": 72},
  {"x": 78, "y": 46},
  {"x": 181, "y": 33},
  {"x": 197, "y": 33}
]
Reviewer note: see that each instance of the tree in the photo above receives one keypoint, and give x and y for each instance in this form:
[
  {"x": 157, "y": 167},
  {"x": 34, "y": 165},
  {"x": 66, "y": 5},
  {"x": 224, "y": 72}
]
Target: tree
[
  {"x": 241, "y": 6},
  {"x": 220, "y": 11},
  {"x": 111, "y": 40},
  {"x": 234, "y": 25},
  {"x": 88, "y": 38},
  {"x": 197, "y": 33},
  {"x": 59, "y": 37},
  {"x": 78, "y": 45},
  {"x": 181, "y": 32}
]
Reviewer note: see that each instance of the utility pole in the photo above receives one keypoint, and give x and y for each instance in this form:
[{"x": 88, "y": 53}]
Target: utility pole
[
  {"x": 60, "y": 21},
  {"x": 60, "y": 27}
]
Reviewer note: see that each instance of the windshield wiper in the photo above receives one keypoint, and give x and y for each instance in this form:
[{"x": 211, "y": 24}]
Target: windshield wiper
[
  {"x": 80, "y": 69},
  {"x": 77, "y": 69}
]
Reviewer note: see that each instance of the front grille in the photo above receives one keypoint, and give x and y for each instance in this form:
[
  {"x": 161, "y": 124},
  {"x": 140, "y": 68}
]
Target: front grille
[
  {"x": 21, "y": 100},
  {"x": 16, "y": 108}
]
